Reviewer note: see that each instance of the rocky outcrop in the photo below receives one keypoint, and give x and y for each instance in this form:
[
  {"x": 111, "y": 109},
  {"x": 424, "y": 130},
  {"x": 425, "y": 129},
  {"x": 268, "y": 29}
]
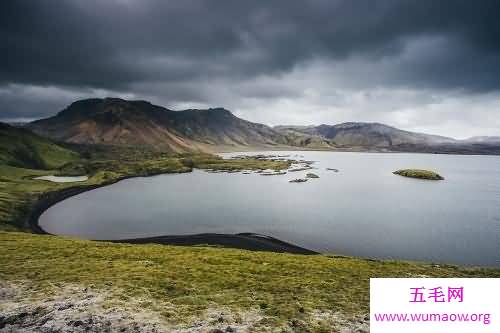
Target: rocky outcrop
[
  {"x": 298, "y": 180},
  {"x": 312, "y": 175}
]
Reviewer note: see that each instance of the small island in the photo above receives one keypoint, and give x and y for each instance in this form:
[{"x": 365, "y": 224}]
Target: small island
[
  {"x": 312, "y": 175},
  {"x": 298, "y": 180},
  {"x": 418, "y": 173}
]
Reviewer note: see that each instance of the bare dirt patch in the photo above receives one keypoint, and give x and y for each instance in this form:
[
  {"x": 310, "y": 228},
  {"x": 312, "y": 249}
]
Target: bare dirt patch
[{"x": 73, "y": 308}]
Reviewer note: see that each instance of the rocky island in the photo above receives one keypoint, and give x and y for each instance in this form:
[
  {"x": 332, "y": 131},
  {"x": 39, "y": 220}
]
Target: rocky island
[
  {"x": 298, "y": 180},
  {"x": 312, "y": 175}
]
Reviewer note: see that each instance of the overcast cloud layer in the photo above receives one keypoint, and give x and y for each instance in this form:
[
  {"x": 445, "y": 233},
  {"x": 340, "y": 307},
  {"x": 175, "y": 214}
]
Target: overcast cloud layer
[{"x": 431, "y": 66}]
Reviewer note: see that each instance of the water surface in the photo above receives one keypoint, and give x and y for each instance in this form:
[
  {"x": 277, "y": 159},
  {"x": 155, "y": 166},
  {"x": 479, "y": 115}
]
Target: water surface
[{"x": 363, "y": 210}]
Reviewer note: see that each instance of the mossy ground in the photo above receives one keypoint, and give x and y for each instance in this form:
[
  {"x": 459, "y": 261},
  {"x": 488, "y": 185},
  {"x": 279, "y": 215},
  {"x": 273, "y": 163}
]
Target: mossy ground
[{"x": 284, "y": 287}]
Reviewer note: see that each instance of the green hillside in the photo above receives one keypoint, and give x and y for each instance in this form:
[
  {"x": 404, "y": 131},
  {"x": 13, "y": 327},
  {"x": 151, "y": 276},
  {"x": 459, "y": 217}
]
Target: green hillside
[
  {"x": 21, "y": 148},
  {"x": 184, "y": 286}
]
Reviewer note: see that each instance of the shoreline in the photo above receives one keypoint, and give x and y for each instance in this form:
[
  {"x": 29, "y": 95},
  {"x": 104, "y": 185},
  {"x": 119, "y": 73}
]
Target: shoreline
[
  {"x": 354, "y": 150},
  {"x": 49, "y": 199},
  {"x": 244, "y": 241}
]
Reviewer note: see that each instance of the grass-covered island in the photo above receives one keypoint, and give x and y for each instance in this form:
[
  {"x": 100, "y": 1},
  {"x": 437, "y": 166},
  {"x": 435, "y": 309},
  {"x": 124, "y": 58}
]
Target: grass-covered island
[{"x": 419, "y": 173}]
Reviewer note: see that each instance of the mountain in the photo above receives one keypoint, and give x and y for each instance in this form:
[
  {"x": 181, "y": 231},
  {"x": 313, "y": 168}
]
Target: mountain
[
  {"x": 113, "y": 121},
  {"x": 357, "y": 134},
  {"x": 21, "y": 148},
  {"x": 301, "y": 136},
  {"x": 494, "y": 140}
]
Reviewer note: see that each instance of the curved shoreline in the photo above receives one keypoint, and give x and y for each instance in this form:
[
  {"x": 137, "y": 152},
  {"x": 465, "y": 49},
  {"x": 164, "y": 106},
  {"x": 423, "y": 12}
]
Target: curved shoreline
[
  {"x": 49, "y": 199},
  {"x": 244, "y": 241}
]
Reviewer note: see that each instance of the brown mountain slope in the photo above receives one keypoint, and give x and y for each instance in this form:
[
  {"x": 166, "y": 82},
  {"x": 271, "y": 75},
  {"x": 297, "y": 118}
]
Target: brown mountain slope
[{"x": 115, "y": 121}]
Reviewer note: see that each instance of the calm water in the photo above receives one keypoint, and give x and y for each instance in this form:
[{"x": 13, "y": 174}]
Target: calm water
[{"x": 363, "y": 210}]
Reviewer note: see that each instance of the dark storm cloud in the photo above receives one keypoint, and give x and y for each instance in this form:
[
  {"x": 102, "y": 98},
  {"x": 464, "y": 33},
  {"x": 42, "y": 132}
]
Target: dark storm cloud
[
  {"x": 319, "y": 60},
  {"x": 112, "y": 44}
]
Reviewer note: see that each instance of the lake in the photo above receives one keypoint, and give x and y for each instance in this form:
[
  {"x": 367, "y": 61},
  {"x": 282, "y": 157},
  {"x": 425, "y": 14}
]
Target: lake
[{"x": 362, "y": 210}]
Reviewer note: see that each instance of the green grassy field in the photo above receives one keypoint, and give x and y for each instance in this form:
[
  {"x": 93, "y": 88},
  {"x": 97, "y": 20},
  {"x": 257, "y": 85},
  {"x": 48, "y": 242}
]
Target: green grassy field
[{"x": 283, "y": 287}]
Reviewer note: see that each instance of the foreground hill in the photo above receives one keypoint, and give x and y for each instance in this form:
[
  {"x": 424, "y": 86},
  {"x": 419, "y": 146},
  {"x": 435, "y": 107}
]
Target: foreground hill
[
  {"x": 107, "y": 287},
  {"x": 113, "y": 121},
  {"x": 21, "y": 148}
]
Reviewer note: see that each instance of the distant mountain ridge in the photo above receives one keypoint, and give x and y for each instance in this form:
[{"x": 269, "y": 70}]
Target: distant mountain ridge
[
  {"x": 360, "y": 134},
  {"x": 114, "y": 121},
  {"x": 484, "y": 139}
]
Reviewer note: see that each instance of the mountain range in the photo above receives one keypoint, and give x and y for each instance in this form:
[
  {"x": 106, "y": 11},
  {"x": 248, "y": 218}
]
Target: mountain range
[{"x": 113, "y": 121}]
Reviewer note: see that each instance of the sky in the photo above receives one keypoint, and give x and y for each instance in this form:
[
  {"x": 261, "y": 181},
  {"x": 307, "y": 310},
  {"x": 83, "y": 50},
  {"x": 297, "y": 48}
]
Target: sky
[{"x": 422, "y": 65}]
